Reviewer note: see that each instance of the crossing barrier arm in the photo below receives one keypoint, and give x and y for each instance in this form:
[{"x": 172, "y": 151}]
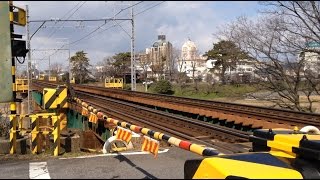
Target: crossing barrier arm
[{"x": 186, "y": 145}]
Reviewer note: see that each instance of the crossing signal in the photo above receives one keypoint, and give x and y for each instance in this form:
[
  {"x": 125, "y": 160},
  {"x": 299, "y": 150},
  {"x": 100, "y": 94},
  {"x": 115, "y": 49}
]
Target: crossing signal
[
  {"x": 18, "y": 16},
  {"x": 19, "y": 48}
]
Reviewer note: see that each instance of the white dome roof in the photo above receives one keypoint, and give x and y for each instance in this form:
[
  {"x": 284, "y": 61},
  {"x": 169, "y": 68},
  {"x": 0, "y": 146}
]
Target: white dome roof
[{"x": 189, "y": 45}]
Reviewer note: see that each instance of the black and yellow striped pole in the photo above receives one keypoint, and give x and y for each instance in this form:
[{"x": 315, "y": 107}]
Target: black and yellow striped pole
[
  {"x": 56, "y": 135},
  {"x": 35, "y": 146},
  {"x": 13, "y": 108}
]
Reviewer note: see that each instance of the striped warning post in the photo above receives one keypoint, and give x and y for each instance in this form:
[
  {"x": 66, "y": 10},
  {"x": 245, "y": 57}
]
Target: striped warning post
[
  {"x": 13, "y": 121},
  {"x": 35, "y": 135},
  {"x": 13, "y": 134},
  {"x": 56, "y": 135}
]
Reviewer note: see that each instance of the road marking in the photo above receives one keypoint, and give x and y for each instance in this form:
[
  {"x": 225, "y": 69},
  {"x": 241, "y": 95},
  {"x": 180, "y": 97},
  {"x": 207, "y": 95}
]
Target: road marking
[
  {"x": 116, "y": 154},
  {"x": 38, "y": 170}
]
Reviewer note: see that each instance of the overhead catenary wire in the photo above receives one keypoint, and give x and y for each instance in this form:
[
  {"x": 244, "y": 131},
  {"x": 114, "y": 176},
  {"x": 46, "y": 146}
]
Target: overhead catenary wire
[
  {"x": 103, "y": 30},
  {"x": 103, "y": 24},
  {"x": 149, "y": 8},
  {"x": 65, "y": 16},
  {"x": 43, "y": 22},
  {"x": 68, "y": 16},
  {"x": 128, "y": 7},
  {"x": 100, "y": 27},
  {"x": 87, "y": 35}
]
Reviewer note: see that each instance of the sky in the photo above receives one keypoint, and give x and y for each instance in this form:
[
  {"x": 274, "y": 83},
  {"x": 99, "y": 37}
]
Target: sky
[{"x": 178, "y": 20}]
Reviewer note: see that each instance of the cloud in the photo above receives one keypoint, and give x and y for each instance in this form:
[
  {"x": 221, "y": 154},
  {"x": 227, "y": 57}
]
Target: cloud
[{"x": 177, "y": 20}]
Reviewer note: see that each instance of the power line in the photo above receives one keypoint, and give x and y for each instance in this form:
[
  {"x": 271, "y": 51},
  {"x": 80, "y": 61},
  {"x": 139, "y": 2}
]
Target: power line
[
  {"x": 150, "y": 8},
  {"x": 68, "y": 17},
  {"x": 63, "y": 17},
  {"x": 98, "y": 27},
  {"x": 81, "y": 20},
  {"x": 105, "y": 24},
  {"x": 43, "y": 22},
  {"x": 88, "y": 34},
  {"x": 123, "y": 21},
  {"x": 128, "y": 7}
]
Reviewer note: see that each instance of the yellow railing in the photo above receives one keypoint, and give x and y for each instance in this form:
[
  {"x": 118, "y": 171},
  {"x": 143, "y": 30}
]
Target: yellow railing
[
  {"x": 41, "y": 77},
  {"x": 73, "y": 81},
  {"x": 113, "y": 83},
  {"x": 22, "y": 85},
  {"x": 52, "y": 78}
]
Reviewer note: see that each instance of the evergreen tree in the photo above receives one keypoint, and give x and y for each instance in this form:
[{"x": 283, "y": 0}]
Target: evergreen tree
[
  {"x": 227, "y": 55},
  {"x": 80, "y": 66}
]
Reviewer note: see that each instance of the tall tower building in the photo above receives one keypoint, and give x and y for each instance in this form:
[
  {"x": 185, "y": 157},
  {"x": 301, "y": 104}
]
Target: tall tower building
[
  {"x": 160, "y": 55},
  {"x": 190, "y": 61}
]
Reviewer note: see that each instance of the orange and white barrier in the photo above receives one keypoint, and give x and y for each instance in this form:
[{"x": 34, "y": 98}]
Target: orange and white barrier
[
  {"x": 150, "y": 145},
  {"x": 124, "y": 134}
]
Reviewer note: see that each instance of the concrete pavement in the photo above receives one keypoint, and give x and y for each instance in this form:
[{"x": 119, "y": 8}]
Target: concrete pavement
[{"x": 168, "y": 164}]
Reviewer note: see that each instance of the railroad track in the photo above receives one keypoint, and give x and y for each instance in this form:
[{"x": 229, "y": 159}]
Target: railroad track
[
  {"x": 210, "y": 135},
  {"x": 240, "y": 116}
]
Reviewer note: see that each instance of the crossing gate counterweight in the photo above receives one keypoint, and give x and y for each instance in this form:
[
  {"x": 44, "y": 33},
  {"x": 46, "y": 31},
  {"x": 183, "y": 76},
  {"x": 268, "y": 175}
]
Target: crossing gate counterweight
[{"x": 277, "y": 153}]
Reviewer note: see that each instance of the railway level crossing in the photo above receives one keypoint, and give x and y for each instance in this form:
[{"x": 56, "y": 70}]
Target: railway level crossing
[{"x": 284, "y": 152}]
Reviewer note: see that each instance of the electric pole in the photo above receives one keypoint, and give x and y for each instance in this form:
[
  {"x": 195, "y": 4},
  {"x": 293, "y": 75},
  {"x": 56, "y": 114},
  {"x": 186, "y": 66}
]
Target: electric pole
[
  {"x": 133, "y": 62},
  {"x": 29, "y": 57}
]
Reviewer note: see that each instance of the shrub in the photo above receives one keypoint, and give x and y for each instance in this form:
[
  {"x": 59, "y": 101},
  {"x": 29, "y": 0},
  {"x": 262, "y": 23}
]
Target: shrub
[
  {"x": 162, "y": 87},
  {"x": 127, "y": 86}
]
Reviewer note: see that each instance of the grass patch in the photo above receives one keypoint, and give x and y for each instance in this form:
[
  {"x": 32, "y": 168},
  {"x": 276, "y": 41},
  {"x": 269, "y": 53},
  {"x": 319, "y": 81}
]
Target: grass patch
[
  {"x": 207, "y": 92},
  {"x": 204, "y": 90}
]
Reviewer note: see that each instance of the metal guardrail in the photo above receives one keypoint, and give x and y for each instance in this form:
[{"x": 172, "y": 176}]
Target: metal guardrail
[
  {"x": 22, "y": 85},
  {"x": 113, "y": 83},
  {"x": 52, "y": 78}
]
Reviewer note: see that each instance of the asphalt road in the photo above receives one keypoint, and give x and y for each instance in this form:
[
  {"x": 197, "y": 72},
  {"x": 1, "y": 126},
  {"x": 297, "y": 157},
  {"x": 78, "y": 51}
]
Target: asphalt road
[{"x": 168, "y": 165}]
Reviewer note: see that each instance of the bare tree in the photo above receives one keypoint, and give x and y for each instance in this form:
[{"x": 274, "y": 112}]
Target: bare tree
[
  {"x": 107, "y": 68},
  {"x": 56, "y": 69},
  {"x": 145, "y": 63},
  {"x": 278, "y": 41},
  {"x": 157, "y": 69},
  {"x": 176, "y": 67}
]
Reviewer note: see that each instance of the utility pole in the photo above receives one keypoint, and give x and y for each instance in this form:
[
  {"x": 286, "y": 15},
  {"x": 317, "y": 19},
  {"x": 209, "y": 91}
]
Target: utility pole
[
  {"x": 49, "y": 68},
  {"x": 29, "y": 57},
  {"x": 69, "y": 66},
  {"x": 133, "y": 62}
]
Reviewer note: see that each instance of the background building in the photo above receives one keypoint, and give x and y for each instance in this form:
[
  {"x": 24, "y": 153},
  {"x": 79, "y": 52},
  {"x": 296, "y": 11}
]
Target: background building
[
  {"x": 190, "y": 62},
  {"x": 160, "y": 55},
  {"x": 157, "y": 60}
]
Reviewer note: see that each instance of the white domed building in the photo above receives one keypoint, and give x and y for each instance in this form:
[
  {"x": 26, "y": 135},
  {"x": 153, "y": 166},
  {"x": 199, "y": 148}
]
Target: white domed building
[{"x": 190, "y": 61}]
